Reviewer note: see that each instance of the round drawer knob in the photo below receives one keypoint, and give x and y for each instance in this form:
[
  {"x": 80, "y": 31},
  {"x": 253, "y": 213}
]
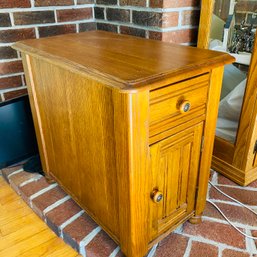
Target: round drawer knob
[
  {"x": 185, "y": 106},
  {"x": 156, "y": 196}
]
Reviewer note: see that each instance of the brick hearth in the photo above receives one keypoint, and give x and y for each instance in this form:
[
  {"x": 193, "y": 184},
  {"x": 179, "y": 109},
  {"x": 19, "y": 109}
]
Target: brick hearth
[{"x": 212, "y": 238}]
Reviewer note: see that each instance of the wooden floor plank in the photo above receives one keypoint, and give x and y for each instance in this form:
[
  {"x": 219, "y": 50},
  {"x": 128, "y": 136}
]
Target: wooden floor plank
[
  {"x": 17, "y": 224},
  {"x": 53, "y": 248},
  {"x": 2, "y": 182},
  {"x": 9, "y": 214},
  {"x": 6, "y": 196},
  {"x": 13, "y": 205},
  {"x": 23, "y": 233},
  {"x": 18, "y": 248}
]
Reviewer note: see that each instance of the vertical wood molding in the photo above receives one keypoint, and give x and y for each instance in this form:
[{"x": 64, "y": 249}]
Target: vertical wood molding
[
  {"x": 131, "y": 134},
  {"x": 246, "y": 135},
  {"x": 209, "y": 135},
  {"x": 205, "y": 23},
  {"x": 35, "y": 110}
]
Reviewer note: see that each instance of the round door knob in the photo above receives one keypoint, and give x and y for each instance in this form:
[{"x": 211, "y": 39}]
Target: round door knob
[
  {"x": 156, "y": 196},
  {"x": 185, "y": 106}
]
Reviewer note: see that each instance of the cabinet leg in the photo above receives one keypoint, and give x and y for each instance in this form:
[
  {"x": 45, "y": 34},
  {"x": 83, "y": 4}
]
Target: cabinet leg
[
  {"x": 135, "y": 254},
  {"x": 195, "y": 220},
  {"x": 49, "y": 179}
]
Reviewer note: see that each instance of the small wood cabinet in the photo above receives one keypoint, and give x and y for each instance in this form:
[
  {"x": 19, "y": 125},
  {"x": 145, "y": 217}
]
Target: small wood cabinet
[{"x": 126, "y": 126}]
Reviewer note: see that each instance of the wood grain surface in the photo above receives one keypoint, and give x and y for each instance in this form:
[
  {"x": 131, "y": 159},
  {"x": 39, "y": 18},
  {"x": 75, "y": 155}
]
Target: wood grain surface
[
  {"x": 207, "y": 7},
  {"x": 109, "y": 144},
  {"x": 23, "y": 233},
  {"x": 122, "y": 61}
]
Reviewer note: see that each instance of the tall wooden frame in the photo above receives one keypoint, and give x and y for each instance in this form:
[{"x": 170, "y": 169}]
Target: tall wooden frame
[{"x": 236, "y": 161}]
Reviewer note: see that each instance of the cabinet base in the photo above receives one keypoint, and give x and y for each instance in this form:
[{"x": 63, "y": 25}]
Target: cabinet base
[
  {"x": 195, "y": 220},
  {"x": 49, "y": 179},
  {"x": 241, "y": 177}
]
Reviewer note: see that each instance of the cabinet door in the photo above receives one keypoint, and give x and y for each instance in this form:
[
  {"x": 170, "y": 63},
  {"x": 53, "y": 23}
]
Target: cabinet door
[{"x": 175, "y": 164}]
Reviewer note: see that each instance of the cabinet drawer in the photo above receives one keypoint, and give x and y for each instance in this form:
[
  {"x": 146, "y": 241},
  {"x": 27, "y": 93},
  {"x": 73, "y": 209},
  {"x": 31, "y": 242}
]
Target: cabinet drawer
[{"x": 178, "y": 103}]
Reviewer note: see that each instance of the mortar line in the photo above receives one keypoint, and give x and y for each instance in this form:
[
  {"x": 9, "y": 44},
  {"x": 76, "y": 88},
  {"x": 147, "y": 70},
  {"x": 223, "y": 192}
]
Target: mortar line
[
  {"x": 115, "y": 252},
  {"x": 188, "y": 248},
  {"x": 222, "y": 221},
  {"x": 35, "y": 178},
  {"x": 56, "y": 204},
  {"x": 69, "y": 221},
  {"x": 15, "y": 172},
  {"x": 87, "y": 239},
  {"x": 42, "y": 191},
  {"x": 153, "y": 250},
  {"x": 215, "y": 243}
]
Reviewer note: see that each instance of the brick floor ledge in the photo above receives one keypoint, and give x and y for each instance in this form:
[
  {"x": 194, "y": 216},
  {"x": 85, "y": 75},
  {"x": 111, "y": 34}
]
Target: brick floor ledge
[{"x": 212, "y": 238}]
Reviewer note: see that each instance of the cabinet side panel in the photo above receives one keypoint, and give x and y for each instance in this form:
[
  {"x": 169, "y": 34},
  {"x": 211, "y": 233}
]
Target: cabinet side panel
[
  {"x": 223, "y": 150},
  {"x": 77, "y": 122}
]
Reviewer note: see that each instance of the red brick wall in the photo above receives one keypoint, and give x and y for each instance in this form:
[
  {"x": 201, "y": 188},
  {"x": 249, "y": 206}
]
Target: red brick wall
[
  {"x": 166, "y": 20},
  {"x": 23, "y": 19}
]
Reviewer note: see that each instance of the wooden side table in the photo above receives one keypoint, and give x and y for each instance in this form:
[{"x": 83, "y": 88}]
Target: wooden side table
[{"x": 126, "y": 126}]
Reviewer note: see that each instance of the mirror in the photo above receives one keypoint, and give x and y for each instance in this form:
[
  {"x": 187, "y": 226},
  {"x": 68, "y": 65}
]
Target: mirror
[{"x": 232, "y": 29}]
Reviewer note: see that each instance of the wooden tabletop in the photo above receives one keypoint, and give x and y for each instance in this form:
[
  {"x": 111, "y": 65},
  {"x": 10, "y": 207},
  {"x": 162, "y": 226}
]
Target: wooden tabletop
[{"x": 126, "y": 60}]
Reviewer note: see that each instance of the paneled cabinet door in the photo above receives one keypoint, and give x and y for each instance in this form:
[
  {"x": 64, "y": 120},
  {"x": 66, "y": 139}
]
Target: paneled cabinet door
[{"x": 174, "y": 164}]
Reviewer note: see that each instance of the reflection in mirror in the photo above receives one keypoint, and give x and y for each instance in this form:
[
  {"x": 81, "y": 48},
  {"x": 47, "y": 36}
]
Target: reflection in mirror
[{"x": 233, "y": 30}]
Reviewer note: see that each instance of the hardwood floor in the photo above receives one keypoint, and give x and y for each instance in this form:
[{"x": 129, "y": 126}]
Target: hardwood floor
[{"x": 23, "y": 233}]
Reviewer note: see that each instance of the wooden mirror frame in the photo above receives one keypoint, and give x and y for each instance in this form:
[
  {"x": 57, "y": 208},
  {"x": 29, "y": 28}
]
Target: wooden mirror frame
[{"x": 236, "y": 161}]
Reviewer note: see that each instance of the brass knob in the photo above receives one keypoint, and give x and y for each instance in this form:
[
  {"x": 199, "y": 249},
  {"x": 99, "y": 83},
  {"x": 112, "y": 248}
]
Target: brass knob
[
  {"x": 185, "y": 106},
  {"x": 156, "y": 196}
]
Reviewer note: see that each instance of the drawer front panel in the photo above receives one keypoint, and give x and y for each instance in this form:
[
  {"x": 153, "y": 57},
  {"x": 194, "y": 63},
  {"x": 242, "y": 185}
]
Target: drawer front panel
[{"x": 166, "y": 104}]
